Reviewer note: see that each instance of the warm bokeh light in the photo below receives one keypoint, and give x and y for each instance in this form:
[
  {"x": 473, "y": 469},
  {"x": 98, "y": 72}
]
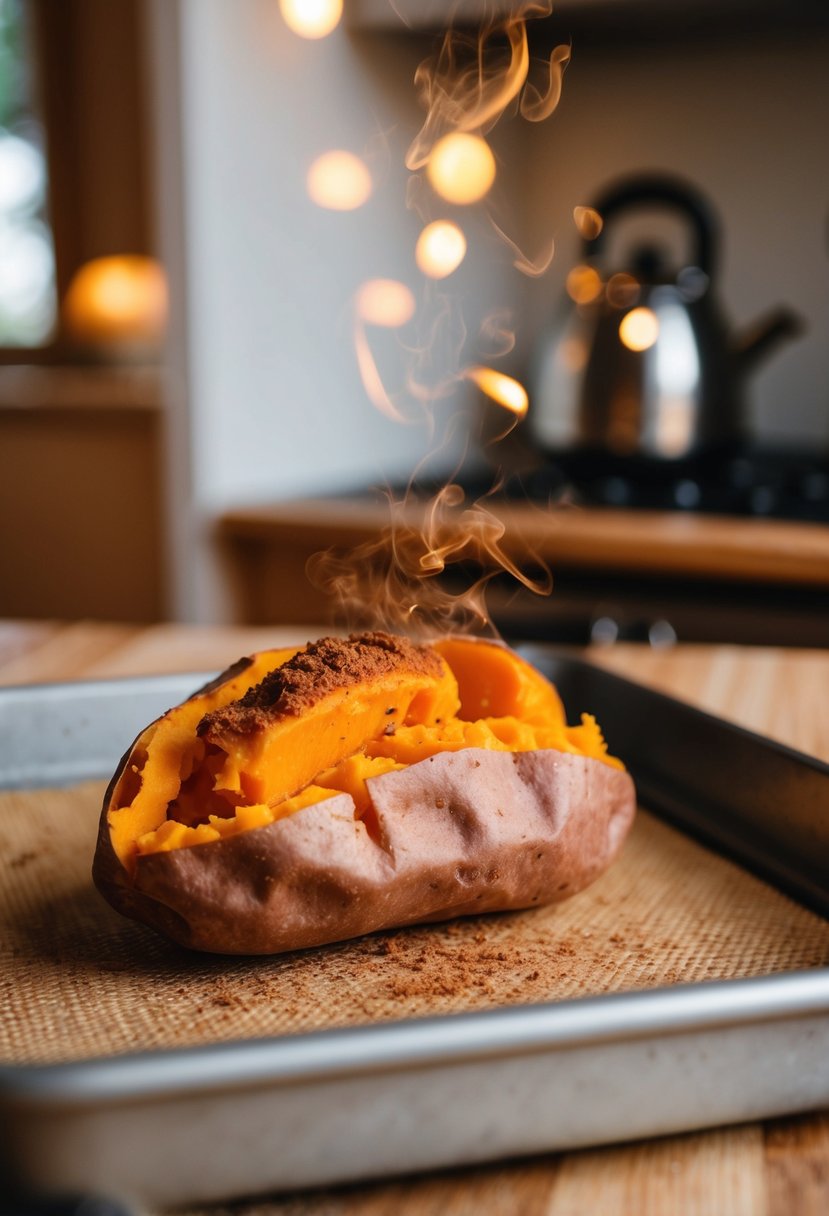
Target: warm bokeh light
[
  {"x": 339, "y": 180},
  {"x": 584, "y": 284},
  {"x": 385, "y": 302},
  {"x": 622, "y": 290},
  {"x": 588, "y": 221},
  {"x": 639, "y": 328},
  {"x": 500, "y": 388},
  {"x": 117, "y": 301},
  {"x": 311, "y": 18},
  {"x": 573, "y": 354},
  {"x": 461, "y": 168},
  {"x": 440, "y": 249}
]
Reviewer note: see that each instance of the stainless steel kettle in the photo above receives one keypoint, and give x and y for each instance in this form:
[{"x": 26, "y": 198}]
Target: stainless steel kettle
[{"x": 643, "y": 364}]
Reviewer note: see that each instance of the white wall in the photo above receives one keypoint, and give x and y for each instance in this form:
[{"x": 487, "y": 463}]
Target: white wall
[
  {"x": 274, "y": 403},
  {"x": 271, "y": 404},
  {"x": 278, "y": 406}
]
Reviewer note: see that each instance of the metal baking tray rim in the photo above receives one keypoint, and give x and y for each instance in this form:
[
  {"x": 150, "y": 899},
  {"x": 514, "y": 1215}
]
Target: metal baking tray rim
[
  {"x": 428, "y": 1042},
  {"x": 768, "y": 1036}
]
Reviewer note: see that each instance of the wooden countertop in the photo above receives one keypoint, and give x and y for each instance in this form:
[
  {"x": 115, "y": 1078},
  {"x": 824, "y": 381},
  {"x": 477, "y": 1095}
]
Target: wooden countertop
[
  {"x": 774, "y": 1168},
  {"x": 641, "y": 542}
]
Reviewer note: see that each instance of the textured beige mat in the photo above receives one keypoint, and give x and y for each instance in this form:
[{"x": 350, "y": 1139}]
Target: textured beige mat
[{"x": 77, "y": 980}]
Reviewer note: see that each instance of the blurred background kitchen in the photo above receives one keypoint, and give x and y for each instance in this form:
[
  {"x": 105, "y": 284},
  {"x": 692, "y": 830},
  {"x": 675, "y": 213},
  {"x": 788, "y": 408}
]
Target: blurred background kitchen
[{"x": 192, "y": 343}]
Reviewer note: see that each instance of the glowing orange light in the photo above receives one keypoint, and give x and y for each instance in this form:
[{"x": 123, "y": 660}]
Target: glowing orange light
[
  {"x": 385, "y": 302},
  {"x": 461, "y": 168},
  {"x": 588, "y": 221},
  {"x": 311, "y": 18},
  {"x": 622, "y": 290},
  {"x": 639, "y": 328},
  {"x": 339, "y": 181},
  {"x": 500, "y": 388},
  {"x": 440, "y": 249},
  {"x": 117, "y": 301},
  {"x": 584, "y": 284}
]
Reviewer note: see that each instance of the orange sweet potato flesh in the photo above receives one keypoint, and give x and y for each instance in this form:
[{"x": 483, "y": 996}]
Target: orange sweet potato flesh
[
  {"x": 322, "y": 707},
  {"x": 494, "y": 682},
  {"x": 229, "y": 754},
  {"x": 150, "y": 777},
  {"x": 308, "y": 796}
]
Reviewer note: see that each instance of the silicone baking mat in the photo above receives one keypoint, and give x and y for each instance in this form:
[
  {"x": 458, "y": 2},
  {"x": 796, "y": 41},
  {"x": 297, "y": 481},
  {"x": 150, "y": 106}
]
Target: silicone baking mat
[{"x": 78, "y": 981}]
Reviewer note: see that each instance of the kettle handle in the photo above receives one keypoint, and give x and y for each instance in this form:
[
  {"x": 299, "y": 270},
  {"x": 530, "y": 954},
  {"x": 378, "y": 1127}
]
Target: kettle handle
[{"x": 668, "y": 190}]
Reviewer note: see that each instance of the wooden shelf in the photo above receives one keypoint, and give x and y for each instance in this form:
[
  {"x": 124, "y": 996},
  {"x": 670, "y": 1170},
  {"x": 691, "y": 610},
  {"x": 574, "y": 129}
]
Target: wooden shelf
[{"x": 128, "y": 387}]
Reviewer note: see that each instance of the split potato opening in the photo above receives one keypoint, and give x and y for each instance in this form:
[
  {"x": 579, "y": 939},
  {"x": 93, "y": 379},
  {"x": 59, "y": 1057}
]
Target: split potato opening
[{"x": 306, "y": 796}]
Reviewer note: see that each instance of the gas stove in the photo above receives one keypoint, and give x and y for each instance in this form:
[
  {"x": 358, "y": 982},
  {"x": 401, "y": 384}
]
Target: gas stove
[{"x": 750, "y": 481}]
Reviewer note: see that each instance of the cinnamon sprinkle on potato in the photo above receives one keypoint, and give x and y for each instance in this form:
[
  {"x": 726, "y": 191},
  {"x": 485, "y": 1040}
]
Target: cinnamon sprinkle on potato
[{"x": 323, "y": 667}]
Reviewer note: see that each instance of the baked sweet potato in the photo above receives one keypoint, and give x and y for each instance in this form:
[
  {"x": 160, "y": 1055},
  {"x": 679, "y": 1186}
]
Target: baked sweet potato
[{"x": 310, "y": 796}]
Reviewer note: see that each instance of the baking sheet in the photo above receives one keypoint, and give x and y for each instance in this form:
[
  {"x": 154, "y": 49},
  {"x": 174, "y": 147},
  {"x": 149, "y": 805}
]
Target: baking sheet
[
  {"x": 82, "y": 987},
  {"x": 757, "y": 800}
]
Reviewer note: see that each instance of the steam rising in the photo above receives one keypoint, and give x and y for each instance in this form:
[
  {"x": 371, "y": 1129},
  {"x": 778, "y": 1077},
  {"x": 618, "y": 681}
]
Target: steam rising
[
  {"x": 534, "y": 269},
  {"x": 386, "y": 304},
  {"x": 396, "y": 582},
  {"x": 428, "y": 572},
  {"x": 536, "y": 104},
  {"x": 474, "y": 81},
  {"x": 497, "y": 333}
]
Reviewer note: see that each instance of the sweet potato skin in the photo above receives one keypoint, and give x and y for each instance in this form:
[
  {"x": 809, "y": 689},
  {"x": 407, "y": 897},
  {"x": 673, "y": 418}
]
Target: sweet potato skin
[{"x": 457, "y": 834}]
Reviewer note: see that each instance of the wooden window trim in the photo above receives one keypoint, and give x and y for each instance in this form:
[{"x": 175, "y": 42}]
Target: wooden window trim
[{"x": 90, "y": 81}]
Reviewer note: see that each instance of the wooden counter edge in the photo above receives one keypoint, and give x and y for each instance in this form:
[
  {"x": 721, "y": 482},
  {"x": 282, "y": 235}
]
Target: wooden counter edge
[{"x": 642, "y": 542}]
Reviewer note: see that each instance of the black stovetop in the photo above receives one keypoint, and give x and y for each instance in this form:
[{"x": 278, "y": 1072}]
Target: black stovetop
[{"x": 750, "y": 481}]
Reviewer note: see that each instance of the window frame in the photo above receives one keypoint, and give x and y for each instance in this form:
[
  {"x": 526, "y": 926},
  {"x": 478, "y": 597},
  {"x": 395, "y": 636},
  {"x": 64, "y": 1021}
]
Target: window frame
[{"x": 90, "y": 95}]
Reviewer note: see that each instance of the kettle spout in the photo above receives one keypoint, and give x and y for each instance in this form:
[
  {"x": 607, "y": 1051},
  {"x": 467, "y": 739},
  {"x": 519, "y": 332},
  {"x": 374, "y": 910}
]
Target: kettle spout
[{"x": 764, "y": 334}]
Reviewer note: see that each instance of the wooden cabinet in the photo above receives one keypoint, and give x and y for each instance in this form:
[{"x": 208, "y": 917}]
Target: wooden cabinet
[{"x": 80, "y": 495}]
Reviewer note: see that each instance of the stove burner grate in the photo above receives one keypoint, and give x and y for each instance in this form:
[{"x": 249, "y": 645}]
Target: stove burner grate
[{"x": 753, "y": 482}]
